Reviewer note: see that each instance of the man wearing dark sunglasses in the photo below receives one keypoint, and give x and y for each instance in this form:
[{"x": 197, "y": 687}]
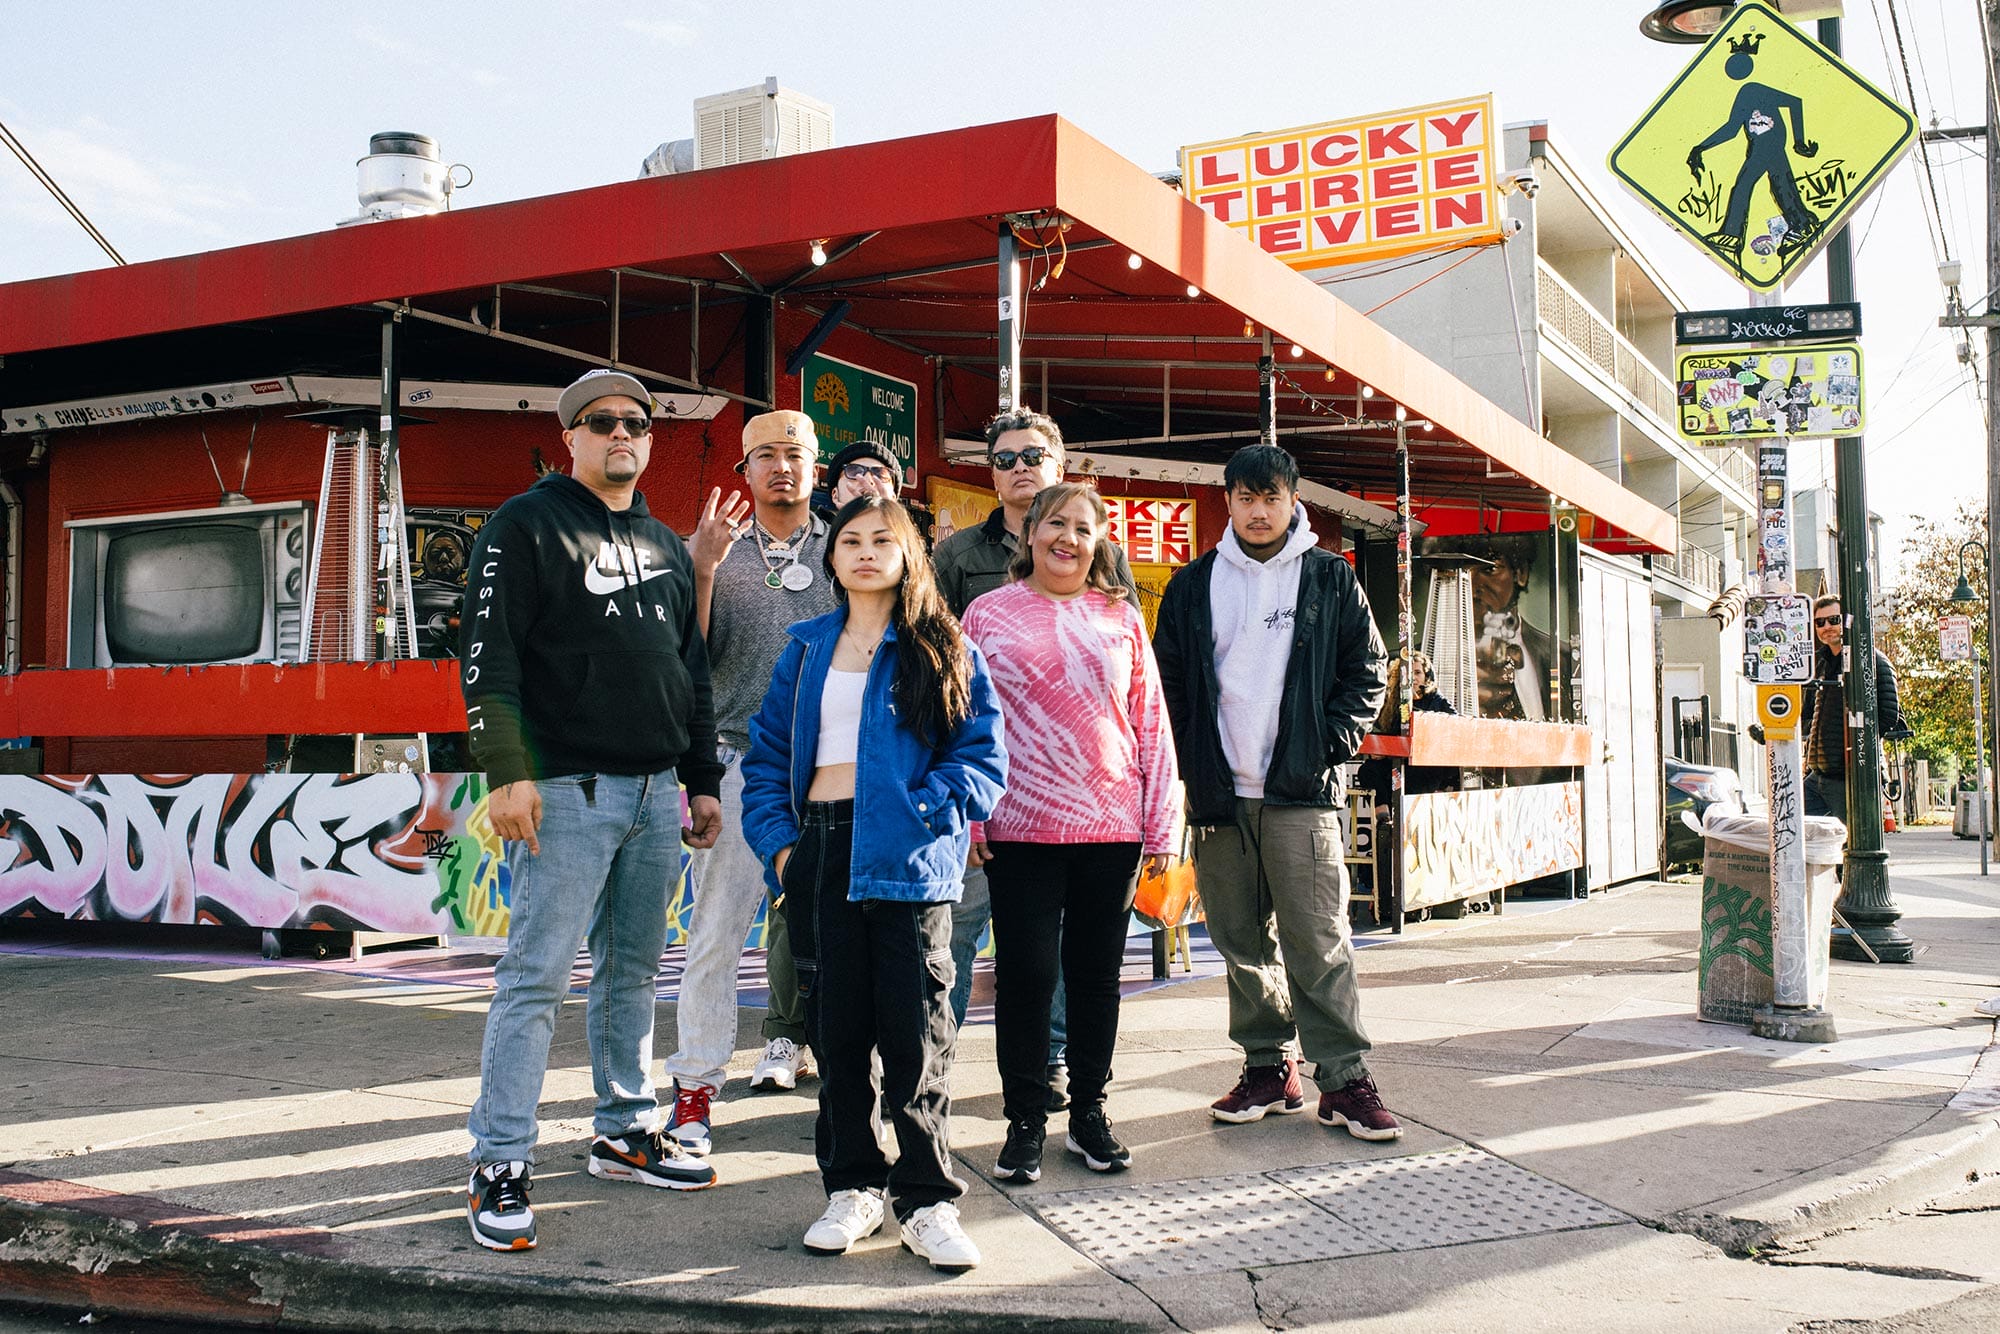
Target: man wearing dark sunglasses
[
  {"x": 588, "y": 704},
  {"x": 1025, "y": 450},
  {"x": 1824, "y": 711}
]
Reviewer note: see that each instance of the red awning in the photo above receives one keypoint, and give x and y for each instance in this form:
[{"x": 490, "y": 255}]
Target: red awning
[{"x": 911, "y": 227}]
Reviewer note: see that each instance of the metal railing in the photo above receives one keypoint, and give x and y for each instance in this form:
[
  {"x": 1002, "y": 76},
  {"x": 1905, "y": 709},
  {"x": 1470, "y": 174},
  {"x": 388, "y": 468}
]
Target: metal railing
[
  {"x": 1692, "y": 565},
  {"x": 1579, "y": 324}
]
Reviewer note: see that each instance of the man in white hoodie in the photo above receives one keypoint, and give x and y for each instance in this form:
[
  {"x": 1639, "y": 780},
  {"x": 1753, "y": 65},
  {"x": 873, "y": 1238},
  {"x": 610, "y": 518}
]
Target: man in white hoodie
[{"x": 1273, "y": 673}]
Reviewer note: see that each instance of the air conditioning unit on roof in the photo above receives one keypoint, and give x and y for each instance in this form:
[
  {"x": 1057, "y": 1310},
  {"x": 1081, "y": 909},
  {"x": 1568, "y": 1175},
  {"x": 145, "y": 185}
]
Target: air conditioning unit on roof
[{"x": 751, "y": 124}]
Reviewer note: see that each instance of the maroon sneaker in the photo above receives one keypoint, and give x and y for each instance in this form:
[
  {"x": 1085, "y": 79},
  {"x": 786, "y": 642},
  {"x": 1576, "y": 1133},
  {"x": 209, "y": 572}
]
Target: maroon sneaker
[
  {"x": 1263, "y": 1088},
  {"x": 1358, "y": 1106}
]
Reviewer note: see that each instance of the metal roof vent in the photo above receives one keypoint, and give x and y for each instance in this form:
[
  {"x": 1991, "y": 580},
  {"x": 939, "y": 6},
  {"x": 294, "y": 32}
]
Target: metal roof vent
[{"x": 403, "y": 177}]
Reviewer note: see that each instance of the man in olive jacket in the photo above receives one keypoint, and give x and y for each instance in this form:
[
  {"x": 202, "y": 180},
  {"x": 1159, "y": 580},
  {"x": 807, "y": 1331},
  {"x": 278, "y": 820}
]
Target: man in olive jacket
[{"x": 1273, "y": 673}]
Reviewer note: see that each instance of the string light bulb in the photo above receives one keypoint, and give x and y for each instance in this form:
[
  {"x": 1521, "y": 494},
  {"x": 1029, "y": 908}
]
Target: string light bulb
[
  {"x": 1402, "y": 413},
  {"x": 1193, "y": 291},
  {"x": 1367, "y": 391},
  {"x": 1249, "y": 328},
  {"x": 1329, "y": 374},
  {"x": 1132, "y": 261},
  {"x": 1298, "y": 351},
  {"x": 818, "y": 253}
]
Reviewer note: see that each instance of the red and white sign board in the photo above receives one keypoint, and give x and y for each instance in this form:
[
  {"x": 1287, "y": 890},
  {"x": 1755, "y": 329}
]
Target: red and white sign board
[
  {"x": 1153, "y": 532},
  {"x": 1955, "y": 638},
  {"x": 1349, "y": 190}
]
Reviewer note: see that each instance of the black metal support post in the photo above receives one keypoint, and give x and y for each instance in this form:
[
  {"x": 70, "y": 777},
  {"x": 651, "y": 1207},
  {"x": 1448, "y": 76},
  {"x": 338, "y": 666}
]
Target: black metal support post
[
  {"x": 1865, "y": 901},
  {"x": 384, "y": 498},
  {"x": 1010, "y": 320},
  {"x": 1267, "y": 394}
]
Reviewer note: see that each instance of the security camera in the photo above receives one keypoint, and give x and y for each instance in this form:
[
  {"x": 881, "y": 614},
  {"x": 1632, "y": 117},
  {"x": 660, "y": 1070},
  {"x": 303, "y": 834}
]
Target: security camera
[{"x": 1525, "y": 181}]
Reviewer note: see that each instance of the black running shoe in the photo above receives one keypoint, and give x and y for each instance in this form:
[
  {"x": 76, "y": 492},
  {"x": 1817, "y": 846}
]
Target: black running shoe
[
  {"x": 651, "y": 1160},
  {"x": 1021, "y": 1156},
  {"x": 1090, "y": 1137},
  {"x": 496, "y": 1205}
]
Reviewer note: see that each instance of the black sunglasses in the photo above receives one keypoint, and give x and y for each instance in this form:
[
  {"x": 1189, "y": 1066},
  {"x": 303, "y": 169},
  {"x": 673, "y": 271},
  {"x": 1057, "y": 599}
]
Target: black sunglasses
[
  {"x": 604, "y": 423},
  {"x": 1827, "y": 620},
  {"x": 1005, "y": 459},
  {"x": 856, "y": 472}
]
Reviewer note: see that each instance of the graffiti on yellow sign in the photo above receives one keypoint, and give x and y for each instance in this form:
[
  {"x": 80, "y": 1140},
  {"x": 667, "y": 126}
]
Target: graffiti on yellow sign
[
  {"x": 1749, "y": 393},
  {"x": 1762, "y": 147}
]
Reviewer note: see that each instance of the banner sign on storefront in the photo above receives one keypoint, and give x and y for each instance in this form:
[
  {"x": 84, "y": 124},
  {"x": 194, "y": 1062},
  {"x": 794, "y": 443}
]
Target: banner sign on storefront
[
  {"x": 1749, "y": 393},
  {"x": 1349, "y": 190},
  {"x": 849, "y": 403},
  {"x": 1153, "y": 531}
]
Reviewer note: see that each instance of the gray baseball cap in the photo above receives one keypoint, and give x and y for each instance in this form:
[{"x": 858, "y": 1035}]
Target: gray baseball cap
[{"x": 593, "y": 385}]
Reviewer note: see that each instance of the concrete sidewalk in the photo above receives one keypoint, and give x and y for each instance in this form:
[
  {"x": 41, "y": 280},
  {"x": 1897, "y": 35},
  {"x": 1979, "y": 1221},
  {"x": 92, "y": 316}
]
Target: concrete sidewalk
[{"x": 283, "y": 1143}]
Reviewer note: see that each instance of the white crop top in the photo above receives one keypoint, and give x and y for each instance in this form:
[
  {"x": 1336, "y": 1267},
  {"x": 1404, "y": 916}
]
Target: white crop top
[{"x": 840, "y": 717}]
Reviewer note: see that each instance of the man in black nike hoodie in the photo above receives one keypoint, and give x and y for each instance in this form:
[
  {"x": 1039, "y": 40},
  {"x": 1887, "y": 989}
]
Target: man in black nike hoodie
[{"x": 587, "y": 701}]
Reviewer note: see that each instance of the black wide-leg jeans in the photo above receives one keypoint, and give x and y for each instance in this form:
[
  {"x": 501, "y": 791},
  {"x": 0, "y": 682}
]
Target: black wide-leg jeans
[
  {"x": 875, "y": 976},
  {"x": 1058, "y": 909}
]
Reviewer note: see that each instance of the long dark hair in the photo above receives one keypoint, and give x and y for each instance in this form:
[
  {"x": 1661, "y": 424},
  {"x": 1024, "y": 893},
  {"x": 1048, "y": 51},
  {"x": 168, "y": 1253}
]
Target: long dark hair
[
  {"x": 933, "y": 666},
  {"x": 1103, "y": 572}
]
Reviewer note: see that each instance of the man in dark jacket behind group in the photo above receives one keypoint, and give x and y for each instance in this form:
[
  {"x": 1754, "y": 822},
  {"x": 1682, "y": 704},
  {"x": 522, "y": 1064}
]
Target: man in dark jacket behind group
[
  {"x": 1824, "y": 711},
  {"x": 1273, "y": 672},
  {"x": 586, "y": 689}
]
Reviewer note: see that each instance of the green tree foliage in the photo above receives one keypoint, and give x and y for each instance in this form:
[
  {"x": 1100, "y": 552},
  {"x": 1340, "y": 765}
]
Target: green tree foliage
[{"x": 1937, "y": 695}]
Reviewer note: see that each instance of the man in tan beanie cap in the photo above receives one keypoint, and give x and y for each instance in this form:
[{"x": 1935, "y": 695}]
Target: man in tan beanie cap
[{"x": 757, "y": 569}]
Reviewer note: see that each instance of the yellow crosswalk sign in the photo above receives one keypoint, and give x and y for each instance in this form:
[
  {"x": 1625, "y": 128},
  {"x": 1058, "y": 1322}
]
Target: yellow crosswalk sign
[{"x": 1762, "y": 147}]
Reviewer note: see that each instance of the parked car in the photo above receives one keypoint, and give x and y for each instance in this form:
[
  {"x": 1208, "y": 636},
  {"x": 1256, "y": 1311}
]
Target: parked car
[{"x": 1693, "y": 788}]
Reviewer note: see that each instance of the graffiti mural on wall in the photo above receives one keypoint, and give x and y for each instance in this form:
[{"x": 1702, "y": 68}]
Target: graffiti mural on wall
[
  {"x": 1471, "y": 842},
  {"x": 271, "y": 850},
  {"x": 405, "y": 853}
]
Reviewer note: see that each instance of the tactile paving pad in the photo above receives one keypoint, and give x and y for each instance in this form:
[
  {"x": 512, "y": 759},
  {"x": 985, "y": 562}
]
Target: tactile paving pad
[
  {"x": 1213, "y": 1224},
  {"x": 1204, "y": 1226},
  {"x": 1442, "y": 1199}
]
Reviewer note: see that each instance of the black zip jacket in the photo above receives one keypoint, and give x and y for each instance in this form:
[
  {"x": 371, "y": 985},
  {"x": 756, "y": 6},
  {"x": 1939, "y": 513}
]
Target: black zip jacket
[
  {"x": 579, "y": 648},
  {"x": 1333, "y": 688},
  {"x": 1827, "y": 683}
]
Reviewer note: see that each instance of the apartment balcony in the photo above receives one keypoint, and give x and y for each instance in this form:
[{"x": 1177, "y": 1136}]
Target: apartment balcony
[
  {"x": 1605, "y": 366},
  {"x": 1694, "y": 567},
  {"x": 1577, "y": 322}
]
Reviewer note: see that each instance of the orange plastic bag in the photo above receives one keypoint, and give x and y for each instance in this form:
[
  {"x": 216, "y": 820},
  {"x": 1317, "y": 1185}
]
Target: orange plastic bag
[{"x": 1170, "y": 898}]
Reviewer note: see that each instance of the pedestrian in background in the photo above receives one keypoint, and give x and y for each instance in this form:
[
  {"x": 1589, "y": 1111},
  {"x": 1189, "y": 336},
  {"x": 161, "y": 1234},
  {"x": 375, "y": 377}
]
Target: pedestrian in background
[
  {"x": 1274, "y": 672},
  {"x": 877, "y": 743},
  {"x": 587, "y": 696},
  {"x": 1823, "y": 712},
  {"x": 1091, "y": 788}
]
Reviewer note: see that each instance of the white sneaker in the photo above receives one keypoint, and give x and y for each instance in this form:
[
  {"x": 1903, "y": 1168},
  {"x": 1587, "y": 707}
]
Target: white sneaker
[
  {"x": 850, "y": 1215},
  {"x": 935, "y": 1234},
  {"x": 784, "y": 1061}
]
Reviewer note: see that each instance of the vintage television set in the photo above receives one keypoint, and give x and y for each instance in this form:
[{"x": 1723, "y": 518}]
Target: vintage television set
[{"x": 190, "y": 586}]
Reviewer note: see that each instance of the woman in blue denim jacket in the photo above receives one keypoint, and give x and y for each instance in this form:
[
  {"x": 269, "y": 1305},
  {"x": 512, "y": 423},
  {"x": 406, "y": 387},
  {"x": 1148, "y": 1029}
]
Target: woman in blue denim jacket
[{"x": 865, "y": 767}]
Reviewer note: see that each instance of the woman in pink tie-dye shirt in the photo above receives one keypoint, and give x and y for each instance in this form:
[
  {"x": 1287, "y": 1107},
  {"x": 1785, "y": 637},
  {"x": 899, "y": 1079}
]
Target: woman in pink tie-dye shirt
[{"x": 1091, "y": 789}]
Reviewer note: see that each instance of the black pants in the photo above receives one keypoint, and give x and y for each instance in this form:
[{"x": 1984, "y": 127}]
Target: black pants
[
  {"x": 1058, "y": 908},
  {"x": 876, "y": 976}
]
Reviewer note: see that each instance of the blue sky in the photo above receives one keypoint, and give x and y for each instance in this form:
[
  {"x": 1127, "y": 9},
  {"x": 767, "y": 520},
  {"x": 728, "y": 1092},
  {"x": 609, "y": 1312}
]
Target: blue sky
[{"x": 189, "y": 127}]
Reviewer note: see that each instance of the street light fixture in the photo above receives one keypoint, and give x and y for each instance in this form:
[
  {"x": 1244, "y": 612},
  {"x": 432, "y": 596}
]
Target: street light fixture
[
  {"x": 1692, "y": 22},
  {"x": 1965, "y": 592}
]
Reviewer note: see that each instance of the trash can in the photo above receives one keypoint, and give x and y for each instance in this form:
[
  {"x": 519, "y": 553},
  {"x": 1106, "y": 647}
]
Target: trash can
[
  {"x": 1965, "y": 814},
  {"x": 1735, "y": 967}
]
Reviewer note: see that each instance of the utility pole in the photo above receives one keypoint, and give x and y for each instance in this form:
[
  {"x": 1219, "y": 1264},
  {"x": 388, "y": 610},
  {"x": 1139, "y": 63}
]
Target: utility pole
[
  {"x": 1990, "y": 15},
  {"x": 1865, "y": 901},
  {"x": 1987, "y": 319}
]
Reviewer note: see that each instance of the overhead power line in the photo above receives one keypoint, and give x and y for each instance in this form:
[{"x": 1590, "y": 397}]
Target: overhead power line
[{"x": 20, "y": 150}]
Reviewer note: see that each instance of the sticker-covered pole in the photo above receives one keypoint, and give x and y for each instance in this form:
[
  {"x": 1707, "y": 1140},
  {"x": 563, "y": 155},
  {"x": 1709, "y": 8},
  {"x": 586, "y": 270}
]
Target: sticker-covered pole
[{"x": 1790, "y": 1017}]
